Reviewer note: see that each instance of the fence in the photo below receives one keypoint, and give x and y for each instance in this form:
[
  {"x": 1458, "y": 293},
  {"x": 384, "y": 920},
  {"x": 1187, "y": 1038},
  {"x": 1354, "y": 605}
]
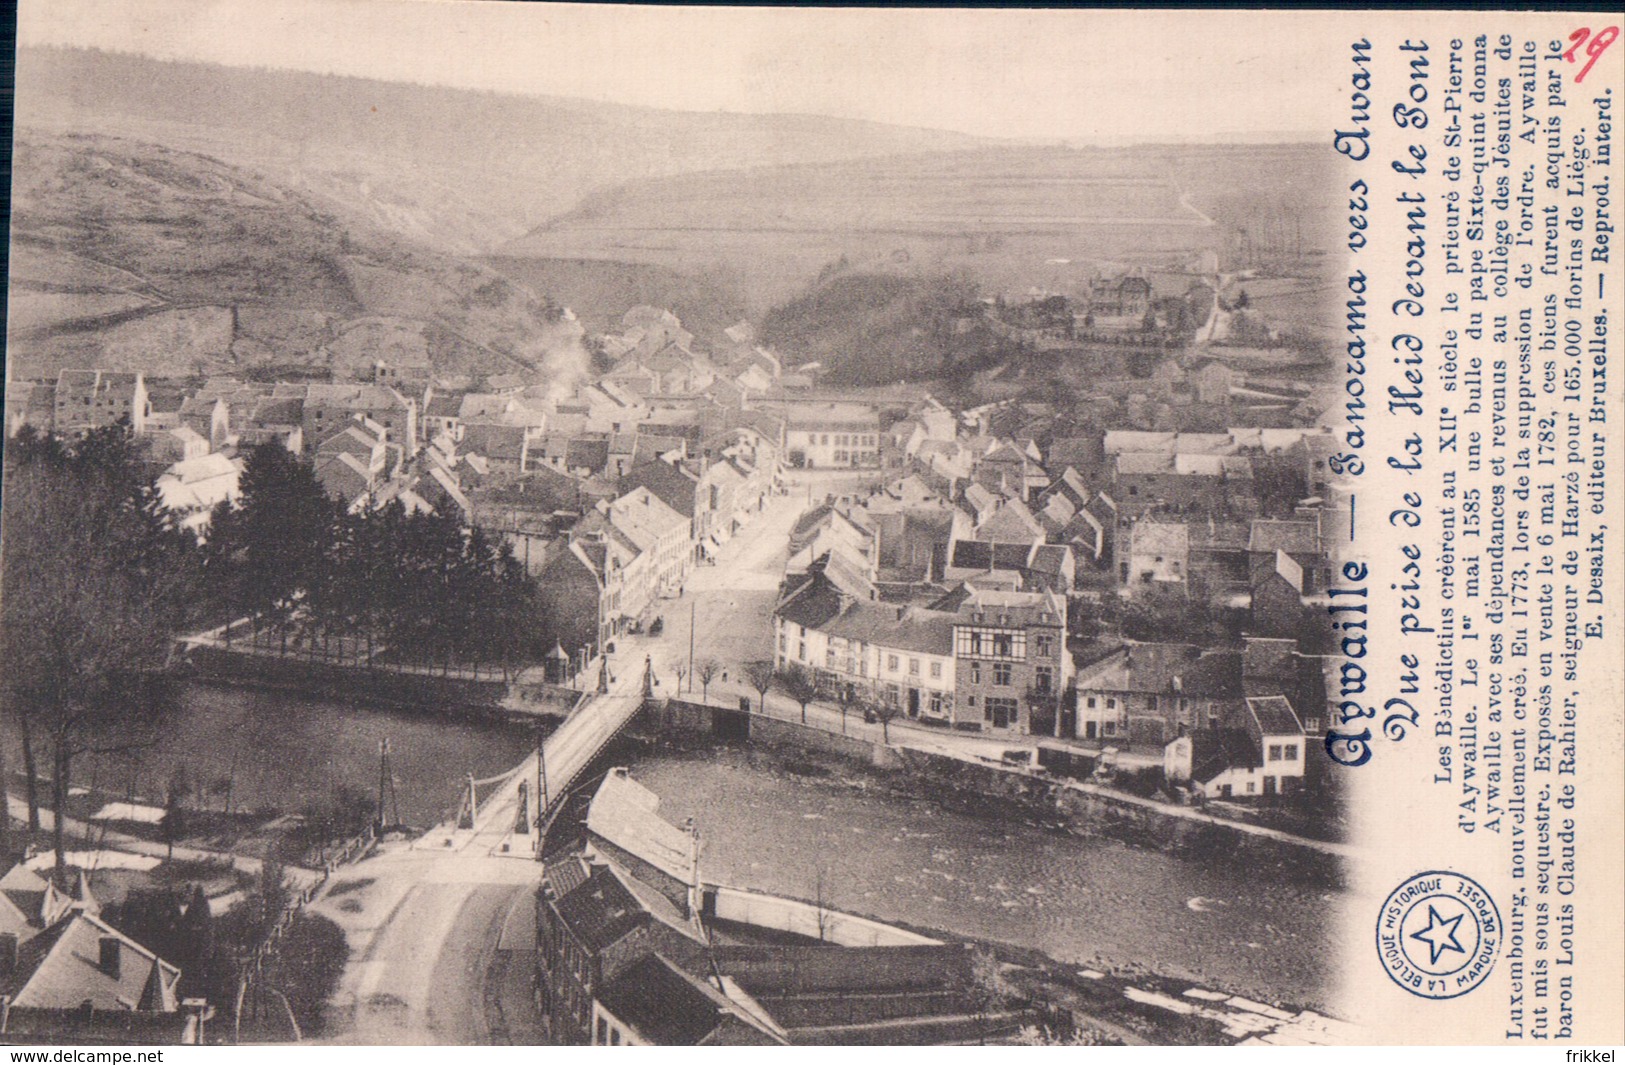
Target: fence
[{"x": 266, "y": 951}]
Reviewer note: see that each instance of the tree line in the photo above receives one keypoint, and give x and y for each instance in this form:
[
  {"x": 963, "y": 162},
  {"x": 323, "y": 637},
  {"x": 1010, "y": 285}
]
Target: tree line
[
  {"x": 97, "y": 580},
  {"x": 289, "y": 557}
]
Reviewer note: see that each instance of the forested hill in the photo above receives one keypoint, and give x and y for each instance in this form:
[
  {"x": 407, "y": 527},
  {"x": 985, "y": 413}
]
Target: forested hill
[{"x": 878, "y": 328}]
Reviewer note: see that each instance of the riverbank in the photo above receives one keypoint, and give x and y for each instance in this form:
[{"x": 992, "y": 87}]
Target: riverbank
[
  {"x": 976, "y": 784},
  {"x": 879, "y": 844},
  {"x": 391, "y": 689}
]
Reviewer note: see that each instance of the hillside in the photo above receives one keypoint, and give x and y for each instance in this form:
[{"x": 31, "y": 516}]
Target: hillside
[
  {"x": 600, "y": 292},
  {"x": 1011, "y": 218},
  {"x": 131, "y": 256},
  {"x": 459, "y": 169},
  {"x": 871, "y": 329}
]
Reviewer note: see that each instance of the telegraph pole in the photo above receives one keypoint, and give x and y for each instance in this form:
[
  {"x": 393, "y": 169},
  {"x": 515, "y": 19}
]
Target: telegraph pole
[{"x": 691, "y": 605}]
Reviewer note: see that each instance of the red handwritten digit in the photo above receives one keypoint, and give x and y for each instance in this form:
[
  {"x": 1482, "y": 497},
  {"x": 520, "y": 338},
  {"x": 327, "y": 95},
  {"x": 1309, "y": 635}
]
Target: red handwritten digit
[
  {"x": 1595, "y": 46},
  {"x": 1578, "y": 37}
]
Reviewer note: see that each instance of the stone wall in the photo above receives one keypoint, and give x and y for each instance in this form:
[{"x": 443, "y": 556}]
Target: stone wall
[{"x": 691, "y": 718}]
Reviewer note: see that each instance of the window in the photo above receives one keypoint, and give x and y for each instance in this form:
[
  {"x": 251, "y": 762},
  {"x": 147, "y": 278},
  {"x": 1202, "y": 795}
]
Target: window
[
  {"x": 1002, "y": 712},
  {"x": 1311, "y": 724},
  {"x": 1042, "y": 645},
  {"x": 914, "y": 667},
  {"x": 801, "y": 650},
  {"x": 1111, "y": 704},
  {"x": 936, "y": 670},
  {"x": 1275, "y": 752},
  {"x": 1044, "y": 679},
  {"x": 782, "y": 643},
  {"x": 1090, "y": 702},
  {"x": 976, "y": 672},
  {"x": 891, "y": 663},
  {"x": 1002, "y": 645},
  {"x": 936, "y": 702},
  {"x": 1251, "y": 787},
  {"x": 1001, "y": 674},
  {"x": 1290, "y": 752}
]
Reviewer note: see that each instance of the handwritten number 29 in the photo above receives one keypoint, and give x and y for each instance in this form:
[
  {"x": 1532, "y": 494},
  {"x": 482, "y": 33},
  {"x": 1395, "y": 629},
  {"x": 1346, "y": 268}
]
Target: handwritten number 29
[{"x": 1594, "y": 47}]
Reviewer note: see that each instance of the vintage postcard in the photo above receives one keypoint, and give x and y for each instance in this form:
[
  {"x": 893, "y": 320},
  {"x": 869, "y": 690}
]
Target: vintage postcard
[{"x": 594, "y": 524}]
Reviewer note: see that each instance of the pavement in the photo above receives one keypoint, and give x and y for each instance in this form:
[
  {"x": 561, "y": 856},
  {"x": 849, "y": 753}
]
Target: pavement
[{"x": 424, "y": 930}]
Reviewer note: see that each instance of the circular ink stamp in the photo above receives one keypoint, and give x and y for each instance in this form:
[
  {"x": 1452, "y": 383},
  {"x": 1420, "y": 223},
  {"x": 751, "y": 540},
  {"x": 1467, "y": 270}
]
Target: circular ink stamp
[{"x": 1438, "y": 934}]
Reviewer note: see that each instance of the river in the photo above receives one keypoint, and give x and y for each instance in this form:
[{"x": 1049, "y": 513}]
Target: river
[
  {"x": 1082, "y": 900},
  {"x": 285, "y": 750}
]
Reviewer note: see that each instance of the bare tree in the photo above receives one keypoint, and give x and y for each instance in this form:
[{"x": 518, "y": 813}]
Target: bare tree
[
  {"x": 705, "y": 672},
  {"x": 884, "y": 712},
  {"x": 820, "y": 909},
  {"x": 760, "y": 675},
  {"x": 96, "y": 580},
  {"x": 799, "y": 685}
]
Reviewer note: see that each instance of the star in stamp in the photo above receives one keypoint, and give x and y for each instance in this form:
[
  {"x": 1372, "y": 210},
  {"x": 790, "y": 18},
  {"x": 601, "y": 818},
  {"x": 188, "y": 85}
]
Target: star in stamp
[{"x": 1438, "y": 934}]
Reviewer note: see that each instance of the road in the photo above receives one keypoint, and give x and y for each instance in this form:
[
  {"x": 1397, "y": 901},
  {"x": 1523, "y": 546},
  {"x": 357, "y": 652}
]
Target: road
[
  {"x": 441, "y": 945},
  {"x": 428, "y": 962},
  {"x": 424, "y": 919},
  {"x": 731, "y": 604}
]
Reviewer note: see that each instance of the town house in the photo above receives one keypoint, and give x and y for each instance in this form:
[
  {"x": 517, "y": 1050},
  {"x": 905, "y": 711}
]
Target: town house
[
  {"x": 91, "y": 399},
  {"x": 1011, "y": 663}
]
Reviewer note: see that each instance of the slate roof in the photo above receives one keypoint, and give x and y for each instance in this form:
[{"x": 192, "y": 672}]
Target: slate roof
[
  {"x": 1287, "y": 570},
  {"x": 277, "y": 410},
  {"x": 61, "y": 969},
  {"x": 811, "y": 603},
  {"x": 1011, "y": 522},
  {"x": 1214, "y": 750},
  {"x": 587, "y": 452},
  {"x": 1147, "y": 667},
  {"x": 925, "y": 631},
  {"x": 1269, "y": 658},
  {"x": 1293, "y": 537},
  {"x": 1275, "y": 716},
  {"x": 664, "y": 1005},
  {"x": 506, "y": 442},
  {"x": 1215, "y": 675},
  {"x": 600, "y": 911}
]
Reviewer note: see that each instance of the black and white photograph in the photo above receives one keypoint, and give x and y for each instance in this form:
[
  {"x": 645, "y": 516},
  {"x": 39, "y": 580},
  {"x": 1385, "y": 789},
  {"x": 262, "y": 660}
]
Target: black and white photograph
[{"x": 589, "y": 524}]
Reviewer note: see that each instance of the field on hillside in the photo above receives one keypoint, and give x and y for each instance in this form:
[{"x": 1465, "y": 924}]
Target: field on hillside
[
  {"x": 131, "y": 256},
  {"x": 600, "y": 292},
  {"x": 461, "y": 170},
  {"x": 1011, "y": 219}
]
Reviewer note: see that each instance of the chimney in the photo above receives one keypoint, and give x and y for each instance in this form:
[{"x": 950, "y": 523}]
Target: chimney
[{"x": 110, "y": 950}]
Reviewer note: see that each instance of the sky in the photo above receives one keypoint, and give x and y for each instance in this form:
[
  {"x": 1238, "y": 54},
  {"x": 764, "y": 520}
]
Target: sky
[{"x": 1070, "y": 75}]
